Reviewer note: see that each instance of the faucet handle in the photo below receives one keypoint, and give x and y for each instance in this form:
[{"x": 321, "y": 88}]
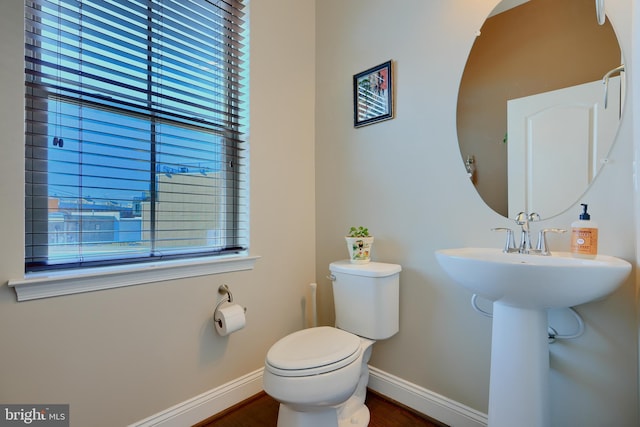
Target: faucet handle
[
  {"x": 542, "y": 246},
  {"x": 509, "y": 244},
  {"x": 521, "y": 218},
  {"x": 533, "y": 216}
]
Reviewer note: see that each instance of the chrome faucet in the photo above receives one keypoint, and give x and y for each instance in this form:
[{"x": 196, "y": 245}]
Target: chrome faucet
[{"x": 523, "y": 219}]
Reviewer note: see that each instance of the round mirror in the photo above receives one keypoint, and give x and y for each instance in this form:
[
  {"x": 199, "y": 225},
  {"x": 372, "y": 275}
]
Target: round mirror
[{"x": 539, "y": 104}]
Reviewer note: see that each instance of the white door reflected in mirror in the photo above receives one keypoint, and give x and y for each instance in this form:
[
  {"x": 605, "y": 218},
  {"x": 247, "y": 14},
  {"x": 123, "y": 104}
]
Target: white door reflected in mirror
[{"x": 557, "y": 142}]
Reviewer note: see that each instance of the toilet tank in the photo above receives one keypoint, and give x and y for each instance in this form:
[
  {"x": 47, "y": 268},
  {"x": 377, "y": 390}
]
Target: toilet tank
[{"x": 367, "y": 298}]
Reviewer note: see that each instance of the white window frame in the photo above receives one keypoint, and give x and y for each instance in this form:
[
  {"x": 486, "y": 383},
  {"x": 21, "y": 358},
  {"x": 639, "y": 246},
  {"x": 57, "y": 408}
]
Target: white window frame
[{"x": 52, "y": 283}]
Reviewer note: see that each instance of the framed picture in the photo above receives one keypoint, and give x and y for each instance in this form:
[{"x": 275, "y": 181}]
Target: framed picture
[{"x": 373, "y": 95}]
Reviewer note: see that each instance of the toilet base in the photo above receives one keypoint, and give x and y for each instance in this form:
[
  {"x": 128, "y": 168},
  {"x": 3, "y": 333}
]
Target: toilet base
[
  {"x": 287, "y": 417},
  {"x": 354, "y": 412},
  {"x": 327, "y": 417},
  {"x": 359, "y": 418}
]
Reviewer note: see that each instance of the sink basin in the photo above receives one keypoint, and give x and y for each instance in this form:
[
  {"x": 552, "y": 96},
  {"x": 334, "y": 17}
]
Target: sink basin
[
  {"x": 533, "y": 281},
  {"x": 522, "y": 288}
]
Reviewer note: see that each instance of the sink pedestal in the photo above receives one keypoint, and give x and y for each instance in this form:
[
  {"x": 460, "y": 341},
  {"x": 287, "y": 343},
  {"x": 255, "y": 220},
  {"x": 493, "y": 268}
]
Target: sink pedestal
[
  {"x": 519, "y": 381},
  {"x": 522, "y": 288}
]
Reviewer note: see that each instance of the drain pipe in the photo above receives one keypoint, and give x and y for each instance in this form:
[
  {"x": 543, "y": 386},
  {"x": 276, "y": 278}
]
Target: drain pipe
[{"x": 552, "y": 332}]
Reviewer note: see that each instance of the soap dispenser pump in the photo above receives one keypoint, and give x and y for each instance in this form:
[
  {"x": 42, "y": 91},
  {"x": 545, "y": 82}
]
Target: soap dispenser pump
[{"x": 584, "y": 236}]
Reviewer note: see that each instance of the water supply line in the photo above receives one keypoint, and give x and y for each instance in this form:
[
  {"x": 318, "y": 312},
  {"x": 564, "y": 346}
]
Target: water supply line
[
  {"x": 314, "y": 310},
  {"x": 551, "y": 331},
  {"x": 554, "y": 335}
]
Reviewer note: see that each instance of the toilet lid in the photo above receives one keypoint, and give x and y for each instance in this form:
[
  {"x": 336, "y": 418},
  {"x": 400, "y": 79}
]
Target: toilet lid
[{"x": 313, "y": 351}]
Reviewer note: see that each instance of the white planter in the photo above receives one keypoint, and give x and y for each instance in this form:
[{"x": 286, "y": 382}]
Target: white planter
[{"x": 359, "y": 249}]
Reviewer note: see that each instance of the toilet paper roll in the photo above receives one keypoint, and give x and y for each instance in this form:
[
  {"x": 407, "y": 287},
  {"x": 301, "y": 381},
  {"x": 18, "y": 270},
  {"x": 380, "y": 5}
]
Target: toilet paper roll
[{"x": 229, "y": 319}]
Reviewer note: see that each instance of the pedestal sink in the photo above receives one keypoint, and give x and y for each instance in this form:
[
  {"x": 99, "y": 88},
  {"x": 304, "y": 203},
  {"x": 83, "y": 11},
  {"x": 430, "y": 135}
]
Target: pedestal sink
[{"x": 522, "y": 287}]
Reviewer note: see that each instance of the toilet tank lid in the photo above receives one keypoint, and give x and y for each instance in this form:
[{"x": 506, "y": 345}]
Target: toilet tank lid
[{"x": 370, "y": 269}]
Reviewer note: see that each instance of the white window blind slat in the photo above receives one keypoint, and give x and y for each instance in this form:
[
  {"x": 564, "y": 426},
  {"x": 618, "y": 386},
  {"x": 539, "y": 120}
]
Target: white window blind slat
[{"x": 134, "y": 131}]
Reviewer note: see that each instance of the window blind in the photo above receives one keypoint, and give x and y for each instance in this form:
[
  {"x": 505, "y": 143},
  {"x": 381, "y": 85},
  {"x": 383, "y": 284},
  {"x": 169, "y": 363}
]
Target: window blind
[{"x": 134, "y": 131}]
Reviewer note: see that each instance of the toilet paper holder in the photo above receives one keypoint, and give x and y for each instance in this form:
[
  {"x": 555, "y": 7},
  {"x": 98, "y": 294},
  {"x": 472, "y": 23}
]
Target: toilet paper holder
[{"x": 223, "y": 290}]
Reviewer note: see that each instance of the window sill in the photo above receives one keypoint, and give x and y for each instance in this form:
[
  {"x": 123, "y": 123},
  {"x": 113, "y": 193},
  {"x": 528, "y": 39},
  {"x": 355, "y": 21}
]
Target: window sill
[{"x": 53, "y": 284}]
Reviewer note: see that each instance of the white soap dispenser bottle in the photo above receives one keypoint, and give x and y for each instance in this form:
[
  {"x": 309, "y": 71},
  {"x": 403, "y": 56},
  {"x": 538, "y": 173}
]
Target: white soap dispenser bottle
[{"x": 584, "y": 236}]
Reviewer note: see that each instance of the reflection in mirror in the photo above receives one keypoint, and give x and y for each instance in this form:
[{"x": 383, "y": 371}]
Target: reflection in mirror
[{"x": 538, "y": 47}]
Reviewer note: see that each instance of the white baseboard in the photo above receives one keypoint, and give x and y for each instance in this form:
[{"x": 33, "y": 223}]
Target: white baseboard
[
  {"x": 218, "y": 399},
  {"x": 207, "y": 404},
  {"x": 425, "y": 401}
]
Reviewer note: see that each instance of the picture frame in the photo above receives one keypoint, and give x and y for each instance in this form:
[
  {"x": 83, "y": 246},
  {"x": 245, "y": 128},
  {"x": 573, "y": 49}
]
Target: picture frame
[{"x": 373, "y": 95}]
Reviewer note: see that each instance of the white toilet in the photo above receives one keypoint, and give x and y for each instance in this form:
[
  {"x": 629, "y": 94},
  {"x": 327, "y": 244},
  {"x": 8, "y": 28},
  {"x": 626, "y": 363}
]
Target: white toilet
[{"x": 319, "y": 375}]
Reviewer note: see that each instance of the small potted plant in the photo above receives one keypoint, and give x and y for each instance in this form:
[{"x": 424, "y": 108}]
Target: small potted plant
[{"x": 359, "y": 244}]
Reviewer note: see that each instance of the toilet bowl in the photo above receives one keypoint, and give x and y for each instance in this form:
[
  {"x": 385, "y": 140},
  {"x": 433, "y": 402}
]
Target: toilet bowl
[{"x": 319, "y": 375}]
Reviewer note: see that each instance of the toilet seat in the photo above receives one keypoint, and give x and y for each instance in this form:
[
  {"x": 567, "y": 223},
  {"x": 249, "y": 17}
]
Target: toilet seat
[{"x": 313, "y": 351}]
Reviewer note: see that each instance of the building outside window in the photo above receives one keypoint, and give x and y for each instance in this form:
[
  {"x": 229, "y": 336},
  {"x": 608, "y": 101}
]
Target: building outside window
[{"x": 135, "y": 134}]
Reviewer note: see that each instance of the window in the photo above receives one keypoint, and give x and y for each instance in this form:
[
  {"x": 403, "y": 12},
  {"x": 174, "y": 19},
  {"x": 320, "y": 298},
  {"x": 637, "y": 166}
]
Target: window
[{"x": 134, "y": 131}]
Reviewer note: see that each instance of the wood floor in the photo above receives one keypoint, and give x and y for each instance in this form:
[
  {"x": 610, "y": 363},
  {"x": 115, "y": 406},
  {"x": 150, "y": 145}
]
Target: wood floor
[{"x": 262, "y": 411}]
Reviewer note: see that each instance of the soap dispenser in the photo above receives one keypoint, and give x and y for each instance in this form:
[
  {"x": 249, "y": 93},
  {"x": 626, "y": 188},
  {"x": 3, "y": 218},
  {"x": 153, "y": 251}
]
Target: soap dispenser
[{"x": 584, "y": 236}]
